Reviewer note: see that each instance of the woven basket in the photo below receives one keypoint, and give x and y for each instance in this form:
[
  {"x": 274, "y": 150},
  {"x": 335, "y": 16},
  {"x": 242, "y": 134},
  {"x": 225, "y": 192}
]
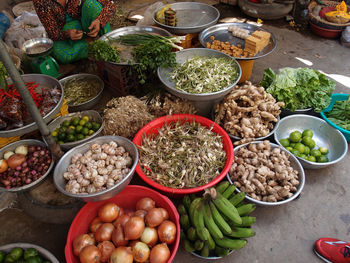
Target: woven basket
[{"x": 318, "y": 20}]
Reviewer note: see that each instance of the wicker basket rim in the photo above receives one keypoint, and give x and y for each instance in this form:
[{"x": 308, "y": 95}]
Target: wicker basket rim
[{"x": 313, "y": 4}]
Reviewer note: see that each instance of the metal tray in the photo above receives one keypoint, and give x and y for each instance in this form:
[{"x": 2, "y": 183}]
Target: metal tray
[
  {"x": 220, "y": 32},
  {"x": 31, "y": 44},
  {"x": 44, "y": 80},
  {"x": 191, "y": 17},
  {"x": 12, "y": 147}
]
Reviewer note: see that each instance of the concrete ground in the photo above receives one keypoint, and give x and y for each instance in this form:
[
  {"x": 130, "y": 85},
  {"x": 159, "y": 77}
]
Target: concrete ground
[{"x": 284, "y": 234}]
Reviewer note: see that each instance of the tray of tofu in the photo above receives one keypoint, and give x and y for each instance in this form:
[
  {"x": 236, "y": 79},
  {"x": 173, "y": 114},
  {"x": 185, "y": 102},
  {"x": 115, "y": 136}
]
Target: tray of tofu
[{"x": 239, "y": 40}]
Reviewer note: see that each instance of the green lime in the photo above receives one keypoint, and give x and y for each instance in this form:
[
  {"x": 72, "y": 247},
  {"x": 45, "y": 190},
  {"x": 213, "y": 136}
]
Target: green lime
[
  {"x": 323, "y": 150},
  {"x": 308, "y": 141},
  {"x": 300, "y": 147},
  {"x": 71, "y": 127},
  {"x": 91, "y": 132},
  {"x": 9, "y": 259},
  {"x": 85, "y": 118},
  {"x": 35, "y": 259},
  {"x": 307, "y": 150},
  {"x": 60, "y": 142},
  {"x": 74, "y": 121},
  {"x": 303, "y": 156},
  {"x": 54, "y": 133},
  {"x": 295, "y": 152},
  {"x": 292, "y": 144},
  {"x": 88, "y": 125},
  {"x": 85, "y": 131},
  {"x": 70, "y": 131},
  {"x": 80, "y": 137},
  {"x": 78, "y": 128},
  {"x": 284, "y": 142},
  {"x": 70, "y": 138},
  {"x": 289, "y": 148},
  {"x": 311, "y": 158},
  {"x": 2, "y": 256},
  {"x": 308, "y": 133},
  {"x": 16, "y": 253},
  {"x": 295, "y": 136},
  {"x": 30, "y": 252},
  {"x": 315, "y": 153},
  {"x": 322, "y": 159},
  {"x": 62, "y": 129},
  {"x": 95, "y": 126},
  {"x": 82, "y": 122},
  {"x": 61, "y": 136},
  {"x": 66, "y": 123}
]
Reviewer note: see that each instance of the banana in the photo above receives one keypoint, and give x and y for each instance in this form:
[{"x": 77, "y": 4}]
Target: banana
[
  {"x": 241, "y": 232},
  {"x": 246, "y": 221},
  {"x": 229, "y": 191},
  {"x": 193, "y": 205},
  {"x": 240, "y": 204},
  {"x": 209, "y": 222},
  {"x": 245, "y": 209},
  {"x": 203, "y": 233},
  {"x": 181, "y": 209},
  {"x": 198, "y": 245},
  {"x": 191, "y": 234},
  {"x": 230, "y": 243},
  {"x": 221, "y": 187},
  {"x": 227, "y": 209},
  {"x": 187, "y": 202},
  {"x": 185, "y": 222},
  {"x": 236, "y": 199},
  {"x": 198, "y": 216},
  {"x": 187, "y": 245},
  {"x": 219, "y": 220},
  {"x": 221, "y": 252},
  {"x": 205, "y": 251},
  {"x": 211, "y": 243}
]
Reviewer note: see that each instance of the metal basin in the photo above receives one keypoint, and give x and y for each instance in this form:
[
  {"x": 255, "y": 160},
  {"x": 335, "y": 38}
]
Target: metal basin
[
  {"x": 324, "y": 136},
  {"x": 65, "y": 161},
  {"x": 93, "y": 115},
  {"x": 89, "y": 104},
  {"x": 293, "y": 162},
  {"x": 37, "y": 47},
  {"x": 12, "y": 147},
  {"x": 191, "y": 17},
  {"x": 46, "y": 82},
  {"x": 204, "y": 102}
]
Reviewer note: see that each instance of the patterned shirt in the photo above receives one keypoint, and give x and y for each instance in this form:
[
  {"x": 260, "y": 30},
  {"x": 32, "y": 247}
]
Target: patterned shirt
[{"x": 53, "y": 15}]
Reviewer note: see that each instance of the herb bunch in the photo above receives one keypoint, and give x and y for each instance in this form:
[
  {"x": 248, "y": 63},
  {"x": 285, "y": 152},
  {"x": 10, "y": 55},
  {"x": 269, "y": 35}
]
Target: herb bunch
[
  {"x": 340, "y": 114},
  {"x": 101, "y": 50}
]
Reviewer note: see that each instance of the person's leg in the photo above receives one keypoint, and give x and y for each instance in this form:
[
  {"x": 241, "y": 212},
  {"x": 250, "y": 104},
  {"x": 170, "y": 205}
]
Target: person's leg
[
  {"x": 68, "y": 51},
  {"x": 89, "y": 12}
]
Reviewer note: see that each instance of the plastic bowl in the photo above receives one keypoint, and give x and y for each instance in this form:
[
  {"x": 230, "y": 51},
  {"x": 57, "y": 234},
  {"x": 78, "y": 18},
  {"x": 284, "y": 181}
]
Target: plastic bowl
[
  {"x": 325, "y": 32},
  {"x": 155, "y": 125},
  {"x": 336, "y": 97},
  {"x": 324, "y": 136},
  {"x": 126, "y": 199}
]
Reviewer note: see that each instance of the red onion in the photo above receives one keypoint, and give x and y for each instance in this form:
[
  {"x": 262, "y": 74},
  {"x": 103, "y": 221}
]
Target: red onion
[
  {"x": 38, "y": 148},
  {"x": 35, "y": 154},
  {"x": 24, "y": 164},
  {"x": 28, "y": 181},
  {"x": 16, "y": 174},
  {"x": 31, "y": 149}
]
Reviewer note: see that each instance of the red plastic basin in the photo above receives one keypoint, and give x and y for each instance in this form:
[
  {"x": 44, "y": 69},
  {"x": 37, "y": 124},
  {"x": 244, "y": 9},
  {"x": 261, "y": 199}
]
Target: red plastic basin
[
  {"x": 155, "y": 125},
  {"x": 325, "y": 32},
  {"x": 126, "y": 199}
]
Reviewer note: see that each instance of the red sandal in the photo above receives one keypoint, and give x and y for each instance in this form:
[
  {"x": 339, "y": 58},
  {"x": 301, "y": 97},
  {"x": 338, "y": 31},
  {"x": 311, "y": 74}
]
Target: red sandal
[{"x": 332, "y": 250}]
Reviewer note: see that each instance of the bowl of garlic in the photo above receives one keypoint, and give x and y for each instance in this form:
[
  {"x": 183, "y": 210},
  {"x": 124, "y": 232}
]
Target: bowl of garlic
[{"x": 98, "y": 169}]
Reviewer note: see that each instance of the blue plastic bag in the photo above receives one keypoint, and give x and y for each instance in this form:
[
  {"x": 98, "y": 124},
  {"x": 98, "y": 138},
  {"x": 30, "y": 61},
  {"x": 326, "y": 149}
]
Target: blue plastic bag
[{"x": 4, "y": 24}]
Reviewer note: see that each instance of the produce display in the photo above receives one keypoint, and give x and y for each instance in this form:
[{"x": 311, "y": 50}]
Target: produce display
[
  {"x": 81, "y": 89},
  {"x": 101, "y": 50},
  {"x": 340, "y": 114},
  {"x": 124, "y": 235},
  {"x": 20, "y": 255},
  {"x": 204, "y": 74},
  {"x": 248, "y": 112},
  {"x": 75, "y": 129},
  {"x": 299, "y": 88},
  {"x": 263, "y": 173},
  {"x": 339, "y": 15},
  {"x": 98, "y": 169},
  {"x": 14, "y": 113},
  {"x": 303, "y": 146},
  {"x": 167, "y": 16},
  {"x": 182, "y": 155},
  {"x": 215, "y": 224},
  {"x": 24, "y": 165}
]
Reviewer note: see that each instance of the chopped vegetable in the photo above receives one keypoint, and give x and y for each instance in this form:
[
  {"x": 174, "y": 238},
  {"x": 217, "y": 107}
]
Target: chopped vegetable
[
  {"x": 101, "y": 50},
  {"x": 340, "y": 114},
  {"x": 205, "y": 74},
  {"x": 182, "y": 155},
  {"x": 80, "y": 90},
  {"x": 299, "y": 88}
]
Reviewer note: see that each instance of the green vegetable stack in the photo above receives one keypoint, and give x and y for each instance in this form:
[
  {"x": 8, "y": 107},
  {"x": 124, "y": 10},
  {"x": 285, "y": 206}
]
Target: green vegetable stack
[
  {"x": 18, "y": 255},
  {"x": 215, "y": 224},
  {"x": 303, "y": 146},
  {"x": 75, "y": 130},
  {"x": 340, "y": 114}
]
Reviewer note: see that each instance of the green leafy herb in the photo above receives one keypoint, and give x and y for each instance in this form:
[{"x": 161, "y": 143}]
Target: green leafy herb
[
  {"x": 3, "y": 76},
  {"x": 340, "y": 114},
  {"x": 299, "y": 88},
  {"x": 101, "y": 50}
]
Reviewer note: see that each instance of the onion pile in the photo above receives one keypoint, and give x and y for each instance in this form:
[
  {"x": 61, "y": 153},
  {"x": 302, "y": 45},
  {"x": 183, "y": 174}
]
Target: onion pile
[
  {"x": 125, "y": 237},
  {"x": 24, "y": 166}
]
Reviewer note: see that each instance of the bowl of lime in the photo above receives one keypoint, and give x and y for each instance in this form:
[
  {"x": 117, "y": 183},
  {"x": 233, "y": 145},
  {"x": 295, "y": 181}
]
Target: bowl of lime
[{"x": 76, "y": 128}]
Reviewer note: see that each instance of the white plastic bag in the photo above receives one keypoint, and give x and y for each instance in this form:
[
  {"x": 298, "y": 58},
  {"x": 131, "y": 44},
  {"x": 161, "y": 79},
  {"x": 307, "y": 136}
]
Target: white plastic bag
[
  {"x": 25, "y": 27},
  {"x": 147, "y": 19},
  {"x": 345, "y": 37}
]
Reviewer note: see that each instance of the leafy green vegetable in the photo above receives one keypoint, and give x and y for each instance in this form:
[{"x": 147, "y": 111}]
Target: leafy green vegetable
[
  {"x": 101, "y": 50},
  {"x": 340, "y": 114},
  {"x": 3, "y": 76},
  {"x": 299, "y": 88}
]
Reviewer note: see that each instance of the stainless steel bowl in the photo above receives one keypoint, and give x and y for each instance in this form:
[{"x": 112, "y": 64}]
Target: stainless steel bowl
[
  {"x": 191, "y": 17},
  {"x": 324, "y": 136},
  {"x": 43, "y": 252},
  {"x": 293, "y": 162},
  {"x": 204, "y": 102},
  {"x": 220, "y": 32},
  {"x": 65, "y": 161},
  {"x": 93, "y": 115},
  {"x": 37, "y": 47},
  {"x": 87, "y": 105},
  {"x": 45, "y": 82},
  {"x": 12, "y": 147}
]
